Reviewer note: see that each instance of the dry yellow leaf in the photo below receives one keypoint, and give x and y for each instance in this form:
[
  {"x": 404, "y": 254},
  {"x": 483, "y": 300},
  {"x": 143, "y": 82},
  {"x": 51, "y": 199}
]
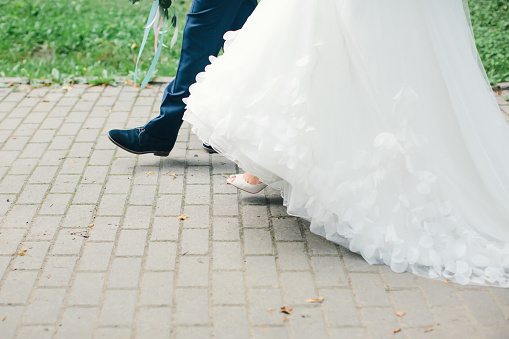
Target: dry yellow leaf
[
  {"x": 134, "y": 45},
  {"x": 182, "y": 217},
  {"x": 428, "y": 330},
  {"x": 4, "y": 318},
  {"x": 286, "y": 310},
  {"x": 319, "y": 300},
  {"x": 396, "y": 331},
  {"x": 91, "y": 225},
  {"x": 22, "y": 253},
  {"x": 73, "y": 161},
  {"x": 446, "y": 281},
  {"x": 400, "y": 313},
  {"x": 284, "y": 318},
  {"x": 149, "y": 173},
  {"x": 173, "y": 175}
]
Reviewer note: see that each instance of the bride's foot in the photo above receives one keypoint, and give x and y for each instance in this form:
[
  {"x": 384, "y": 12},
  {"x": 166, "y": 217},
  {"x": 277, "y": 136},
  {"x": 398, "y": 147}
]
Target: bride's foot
[{"x": 246, "y": 182}]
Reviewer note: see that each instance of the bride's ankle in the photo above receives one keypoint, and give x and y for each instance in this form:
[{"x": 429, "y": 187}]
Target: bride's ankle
[{"x": 251, "y": 179}]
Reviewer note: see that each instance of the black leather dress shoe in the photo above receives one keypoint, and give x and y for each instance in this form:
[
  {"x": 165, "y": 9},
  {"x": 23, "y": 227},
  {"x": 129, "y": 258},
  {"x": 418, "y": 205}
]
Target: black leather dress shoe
[
  {"x": 138, "y": 141},
  {"x": 209, "y": 148}
]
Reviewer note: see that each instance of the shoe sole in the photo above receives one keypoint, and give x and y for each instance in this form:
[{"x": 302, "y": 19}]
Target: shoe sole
[
  {"x": 209, "y": 150},
  {"x": 156, "y": 153}
]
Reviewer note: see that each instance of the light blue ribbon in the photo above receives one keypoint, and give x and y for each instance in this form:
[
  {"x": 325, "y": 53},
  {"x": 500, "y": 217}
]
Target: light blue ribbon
[{"x": 153, "y": 11}]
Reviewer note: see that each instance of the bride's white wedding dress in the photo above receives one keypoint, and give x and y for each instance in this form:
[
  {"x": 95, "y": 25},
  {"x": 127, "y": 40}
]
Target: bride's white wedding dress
[{"x": 377, "y": 120}]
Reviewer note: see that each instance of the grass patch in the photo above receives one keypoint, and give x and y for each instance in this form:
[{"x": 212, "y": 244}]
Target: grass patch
[
  {"x": 92, "y": 38},
  {"x": 57, "y": 40},
  {"x": 491, "y": 27}
]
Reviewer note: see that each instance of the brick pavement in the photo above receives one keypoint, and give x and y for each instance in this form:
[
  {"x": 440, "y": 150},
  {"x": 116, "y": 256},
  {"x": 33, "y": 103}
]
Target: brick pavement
[{"x": 140, "y": 272}]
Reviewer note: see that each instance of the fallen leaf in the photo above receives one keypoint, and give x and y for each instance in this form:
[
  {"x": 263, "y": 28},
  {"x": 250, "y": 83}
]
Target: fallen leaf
[
  {"x": 149, "y": 173},
  {"x": 182, "y": 217},
  {"x": 22, "y": 253},
  {"x": 286, "y": 310},
  {"x": 396, "y": 331},
  {"x": 73, "y": 161},
  {"x": 4, "y": 318},
  {"x": 446, "y": 281},
  {"x": 66, "y": 88},
  {"x": 134, "y": 45},
  {"x": 14, "y": 138},
  {"x": 45, "y": 100},
  {"x": 226, "y": 176},
  {"x": 173, "y": 175},
  {"x": 198, "y": 169},
  {"x": 400, "y": 313},
  {"x": 91, "y": 225},
  {"x": 428, "y": 330},
  {"x": 319, "y": 300},
  {"x": 284, "y": 318}
]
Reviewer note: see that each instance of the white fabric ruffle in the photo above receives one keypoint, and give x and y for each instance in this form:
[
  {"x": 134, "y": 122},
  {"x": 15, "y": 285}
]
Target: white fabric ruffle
[{"x": 377, "y": 122}]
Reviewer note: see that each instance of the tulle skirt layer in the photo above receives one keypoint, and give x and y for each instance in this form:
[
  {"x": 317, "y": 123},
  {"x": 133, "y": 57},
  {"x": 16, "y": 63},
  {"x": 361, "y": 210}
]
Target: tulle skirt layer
[{"x": 376, "y": 120}]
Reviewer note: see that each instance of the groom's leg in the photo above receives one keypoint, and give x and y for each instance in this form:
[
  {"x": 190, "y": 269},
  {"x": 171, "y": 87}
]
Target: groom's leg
[{"x": 206, "y": 24}]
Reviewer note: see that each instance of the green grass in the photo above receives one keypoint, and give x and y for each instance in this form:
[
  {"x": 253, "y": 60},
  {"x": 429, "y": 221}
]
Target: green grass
[
  {"x": 79, "y": 38},
  {"x": 59, "y": 39},
  {"x": 490, "y": 19}
]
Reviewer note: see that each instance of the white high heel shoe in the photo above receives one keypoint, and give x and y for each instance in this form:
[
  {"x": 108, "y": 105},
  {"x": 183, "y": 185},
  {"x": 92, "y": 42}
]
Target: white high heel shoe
[{"x": 239, "y": 182}]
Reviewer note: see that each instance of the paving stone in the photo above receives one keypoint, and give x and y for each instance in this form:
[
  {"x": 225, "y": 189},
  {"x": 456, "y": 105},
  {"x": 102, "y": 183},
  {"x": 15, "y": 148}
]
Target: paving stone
[
  {"x": 95, "y": 256},
  {"x": 286, "y": 229},
  {"x": 33, "y": 194},
  {"x": 156, "y": 288},
  {"x": 340, "y": 308},
  {"x": 257, "y": 241},
  {"x": 227, "y": 255},
  {"x": 118, "y": 184},
  {"x": 439, "y": 293},
  {"x": 197, "y": 195},
  {"x": 308, "y": 322},
  {"x": 369, "y": 289},
  {"x": 44, "y": 306},
  {"x": 39, "y": 332},
  {"x": 329, "y": 271},
  {"x": 125, "y": 273},
  {"x": 195, "y": 241},
  {"x": 12, "y": 315},
  {"x": 10, "y": 240},
  {"x": 255, "y": 216},
  {"x": 55, "y": 204},
  {"x": 17, "y": 286},
  {"x": 228, "y": 288},
  {"x": 193, "y": 271},
  {"x": 186, "y": 310},
  {"x": 57, "y": 271},
  {"x": 298, "y": 287},
  {"x": 484, "y": 308},
  {"x": 20, "y": 216},
  {"x": 137, "y": 217},
  {"x": 143, "y": 195},
  {"x": 195, "y": 332},
  {"x": 118, "y": 307},
  {"x": 161, "y": 256},
  {"x": 225, "y": 204},
  {"x": 169, "y": 204},
  {"x": 112, "y": 333},
  {"x": 198, "y": 216},
  {"x": 265, "y": 305},
  {"x": 231, "y": 322},
  {"x": 414, "y": 305},
  {"x": 112, "y": 204},
  {"x": 87, "y": 194},
  {"x": 292, "y": 256},
  {"x": 153, "y": 323},
  {"x": 261, "y": 271},
  {"x": 86, "y": 289},
  {"x": 33, "y": 257},
  {"x": 79, "y": 216},
  {"x": 165, "y": 228},
  {"x": 381, "y": 322},
  {"x": 95, "y": 174},
  {"x": 65, "y": 183},
  {"x": 270, "y": 333},
  {"x": 69, "y": 241},
  {"x": 76, "y": 323}
]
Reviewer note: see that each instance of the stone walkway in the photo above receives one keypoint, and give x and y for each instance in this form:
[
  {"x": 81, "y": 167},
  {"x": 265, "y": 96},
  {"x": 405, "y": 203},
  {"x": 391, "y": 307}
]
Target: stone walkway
[{"x": 91, "y": 245}]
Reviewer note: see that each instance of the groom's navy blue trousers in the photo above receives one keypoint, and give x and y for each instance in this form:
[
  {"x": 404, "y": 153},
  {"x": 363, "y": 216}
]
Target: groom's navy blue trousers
[{"x": 203, "y": 33}]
